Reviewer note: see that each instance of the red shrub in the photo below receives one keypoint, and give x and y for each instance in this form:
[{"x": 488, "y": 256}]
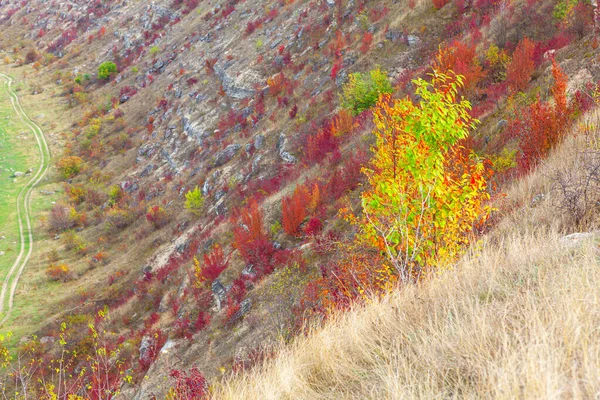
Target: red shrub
[
  {"x": 462, "y": 60},
  {"x": 189, "y": 386},
  {"x": 157, "y": 216},
  {"x": 313, "y": 227},
  {"x": 335, "y": 70},
  {"x": 542, "y": 125},
  {"x": 155, "y": 342},
  {"x": 294, "y": 210},
  {"x": 520, "y": 69},
  {"x": 251, "y": 240},
  {"x": 366, "y": 42},
  {"x": 202, "y": 321},
  {"x": 319, "y": 145},
  {"x": 214, "y": 263},
  {"x": 439, "y": 3}
]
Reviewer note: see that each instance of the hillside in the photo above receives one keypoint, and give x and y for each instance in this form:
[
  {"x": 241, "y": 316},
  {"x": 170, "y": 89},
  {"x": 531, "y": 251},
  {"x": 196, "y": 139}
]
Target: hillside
[
  {"x": 225, "y": 174},
  {"x": 515, "y": 319}
]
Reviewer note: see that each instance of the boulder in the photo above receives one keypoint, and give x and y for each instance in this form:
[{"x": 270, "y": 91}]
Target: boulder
[{"x": 224, "y": 156}]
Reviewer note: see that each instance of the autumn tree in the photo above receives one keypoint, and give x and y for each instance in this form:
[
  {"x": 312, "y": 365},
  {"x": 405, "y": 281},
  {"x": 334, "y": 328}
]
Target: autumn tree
[
  {"x": 520, "y": 69},
  {"x": 420, "y": 208}
]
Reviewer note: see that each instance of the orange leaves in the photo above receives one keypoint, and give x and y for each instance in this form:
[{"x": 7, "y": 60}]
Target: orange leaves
[
  {"x": 251, "y": 230},
  {"x": 342, "y": 123},
  {"x": 294, "y": 210},
  {"x": 519, "y": 71},
  {"x": 276, "y": 84},
  {"x": 541, "y": 126},
  {"x": 461, "y": 59},
  {"x": 559, "y": 90}
]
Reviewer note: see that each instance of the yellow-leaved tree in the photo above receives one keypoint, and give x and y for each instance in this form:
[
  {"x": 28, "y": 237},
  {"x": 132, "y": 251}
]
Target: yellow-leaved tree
[{"x": 426, "y": 192}]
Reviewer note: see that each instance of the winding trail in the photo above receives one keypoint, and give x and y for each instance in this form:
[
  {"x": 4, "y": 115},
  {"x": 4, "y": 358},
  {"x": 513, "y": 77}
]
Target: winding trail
[{"x": 9, "y": 286}]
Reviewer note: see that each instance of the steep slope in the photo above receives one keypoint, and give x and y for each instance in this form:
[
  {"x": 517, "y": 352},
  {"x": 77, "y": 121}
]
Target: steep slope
[
  {"x": 517, "y": 318},
  {"x": 236, "y": 104}
]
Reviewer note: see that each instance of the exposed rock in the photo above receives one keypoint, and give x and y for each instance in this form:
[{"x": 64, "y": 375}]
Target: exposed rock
[
  {"x": 168, "y": 346},
  {"x": 394, "y": 35},
  {"x": 226, "y": 155},
  {"x": 145, "y": 345},
  {"x": 259, "y": 141},
  {"x": 412, "y": 40},
  {"x": 575, "y": 239},
  {"x": 219, "y": 292},
  {"x": 285, "y": 156},
  {"x": 245, "y": 307},
  {"x": 47, "y": 339}
]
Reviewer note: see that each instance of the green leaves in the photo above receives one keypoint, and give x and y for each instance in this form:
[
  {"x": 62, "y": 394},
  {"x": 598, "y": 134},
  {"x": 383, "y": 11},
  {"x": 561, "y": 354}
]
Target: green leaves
[
  {"x": 425, "y": 190},
  {"x": 363, "y": 90}
]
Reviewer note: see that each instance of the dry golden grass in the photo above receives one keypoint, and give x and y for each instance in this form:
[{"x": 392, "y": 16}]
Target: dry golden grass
[{"x": 518, "y": 318}]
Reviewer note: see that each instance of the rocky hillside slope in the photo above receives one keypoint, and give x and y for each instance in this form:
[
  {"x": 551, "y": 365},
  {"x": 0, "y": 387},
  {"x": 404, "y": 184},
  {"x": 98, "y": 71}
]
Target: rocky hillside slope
[{"x": 183, "y": 234}]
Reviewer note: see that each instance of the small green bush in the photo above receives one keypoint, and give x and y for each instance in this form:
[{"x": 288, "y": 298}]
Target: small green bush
[
  {"x": 106, "y": 69},
  {"x": 363, "y": 90},
  {"x": 194, "y": 201}
]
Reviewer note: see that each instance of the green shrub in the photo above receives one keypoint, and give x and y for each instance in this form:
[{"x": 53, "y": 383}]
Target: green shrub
[
  {"x": 194, "y": 201},
  {"x": 363, "y": 90},
  {"x": 106, "y": 69}
]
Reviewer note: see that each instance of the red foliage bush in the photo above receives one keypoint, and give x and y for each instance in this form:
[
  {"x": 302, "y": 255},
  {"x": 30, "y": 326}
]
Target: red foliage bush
[
  {"x": 366, "y": 42},
  {"x": 251, "y": 240},
  {"x": 157, "y": 216},
  {"x": 213, "y": 264},
  {"x": 520, "y": 69},
  {"x": 189, "y": 385},
  {"x": 462, "y": 59},
  {"x": 541, "y": 126},
  {"x": 313, "y": 227},
  {"x": 155, "y": 342},
  {"x": 294, "y": 210},
  {"x": 202, "y": 321},
  {"x": 60, "y": 218},
  {"x": 321, "y": 144},
  {"x": 439, "y": 3}
]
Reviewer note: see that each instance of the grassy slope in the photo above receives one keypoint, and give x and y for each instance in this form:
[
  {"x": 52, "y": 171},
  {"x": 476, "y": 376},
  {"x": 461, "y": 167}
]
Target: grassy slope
[
  {"x": 518, "y": 318},
  {"x": 17, "y": 153},
  {"x": 34, "y": 293}
]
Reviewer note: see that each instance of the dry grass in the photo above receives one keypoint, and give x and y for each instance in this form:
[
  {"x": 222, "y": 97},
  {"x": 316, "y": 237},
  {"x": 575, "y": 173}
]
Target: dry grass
[{"x": 518, "y": 318}]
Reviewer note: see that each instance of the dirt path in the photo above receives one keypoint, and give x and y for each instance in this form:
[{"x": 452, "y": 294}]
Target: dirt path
[{"x": 9, "y": 286}]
